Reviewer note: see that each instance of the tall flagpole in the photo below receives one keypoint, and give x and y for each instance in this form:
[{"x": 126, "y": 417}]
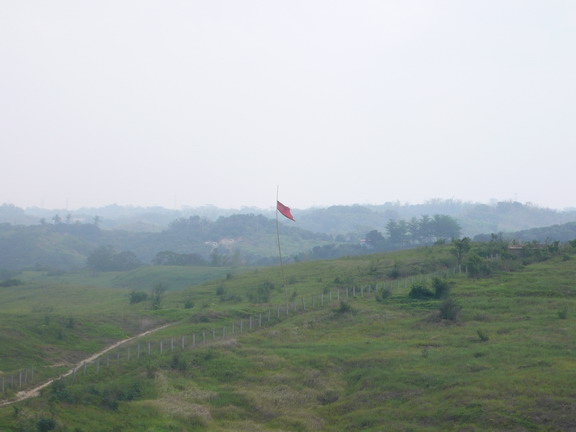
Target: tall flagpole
[{"x": 279, "y": 248}]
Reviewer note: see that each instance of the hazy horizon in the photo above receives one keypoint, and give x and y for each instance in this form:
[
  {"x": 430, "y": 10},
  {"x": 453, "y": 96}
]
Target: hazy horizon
[
  {"x": 184, "y": 207},
  {"x": 185, "y": 103}
]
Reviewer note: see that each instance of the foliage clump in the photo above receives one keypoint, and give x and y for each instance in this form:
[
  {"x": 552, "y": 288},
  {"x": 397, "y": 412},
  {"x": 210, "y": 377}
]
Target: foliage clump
[
  {"x": 420, "y": 291},
  {"x": 449, "y": 310},
  {"x": 262, "y": 293},
  {"x": 344, "y": 308},
  {"x": 383, "y": 294},
  {"x": 482, "y": 335},
  {"x": 441, "y": 288},
  {"x": 137, "y": 297}
]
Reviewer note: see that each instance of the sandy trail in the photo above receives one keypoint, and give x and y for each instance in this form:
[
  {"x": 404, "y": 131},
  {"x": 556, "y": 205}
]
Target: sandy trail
[{"x": 27, "y": 394}]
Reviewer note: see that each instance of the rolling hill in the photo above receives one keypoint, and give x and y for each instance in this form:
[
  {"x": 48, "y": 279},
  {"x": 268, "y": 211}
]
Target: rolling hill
[{"x": 499, "y": 358}]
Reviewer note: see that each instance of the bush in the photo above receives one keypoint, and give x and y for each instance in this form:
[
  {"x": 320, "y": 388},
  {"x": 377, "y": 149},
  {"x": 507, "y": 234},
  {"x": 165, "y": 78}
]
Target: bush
[
  {"x": 262, "y": 293},
  {"x": 45, "y": 424},
  {"x": 449, "y": 310},
  {"x": 137, "y": 297},
  {"x": 220, "y": 291},
  {"x": 10, "y": 282},
  {"x": 383, "y": 294},
  {"x": 482, "y": 335},
  {"x": 394, "y": 273},
  {"x": 343, "y": 308},
  {"x": 441, "y": 288},
  {"x": 419, "y": 291},
  {"x": 60, "y": 392},
  {"x": 477, "y": 267}
]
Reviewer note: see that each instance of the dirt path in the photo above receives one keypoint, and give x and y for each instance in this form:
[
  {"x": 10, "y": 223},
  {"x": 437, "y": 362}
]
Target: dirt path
[{"x": 27, "y": 394}]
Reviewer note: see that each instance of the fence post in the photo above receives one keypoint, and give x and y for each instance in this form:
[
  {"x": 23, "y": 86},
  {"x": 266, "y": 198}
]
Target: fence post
[
  {"x": 322, "y": 299},
  {"x": 193, "y": 340},
  {"x": 97, "y": 366},
  {"x": 182, "y": 341},
  {"x": 260, "y": 320},
  {"x": 148, "y": 348},
  {"x": 161, "y": 346},
  {"x": 241, "y": 326},
  {"x": 204, "y": 337},
  {"x": 172, "y": 344},
  {"x": 213, "y": 334},
  {"x": 338, "y": 294},
  {"x": 250, "y": 322}
]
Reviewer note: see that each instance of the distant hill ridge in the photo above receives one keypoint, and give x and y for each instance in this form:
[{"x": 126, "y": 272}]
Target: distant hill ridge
[{"x": 63, "y": 240}]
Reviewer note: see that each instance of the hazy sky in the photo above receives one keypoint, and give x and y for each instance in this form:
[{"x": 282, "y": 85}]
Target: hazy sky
[{"x": 175, "y": 103}]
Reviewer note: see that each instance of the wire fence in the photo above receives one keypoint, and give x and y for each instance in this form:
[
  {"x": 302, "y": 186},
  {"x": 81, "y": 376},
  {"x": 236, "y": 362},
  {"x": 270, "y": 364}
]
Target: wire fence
[{"x": 131, "y": 352}]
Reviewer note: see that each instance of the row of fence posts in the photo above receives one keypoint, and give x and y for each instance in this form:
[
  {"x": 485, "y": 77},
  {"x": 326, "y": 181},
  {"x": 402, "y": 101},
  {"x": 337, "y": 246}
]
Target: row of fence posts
[
  {"x": 26, "y": 377},
  {"x": 17, "y": 381}
]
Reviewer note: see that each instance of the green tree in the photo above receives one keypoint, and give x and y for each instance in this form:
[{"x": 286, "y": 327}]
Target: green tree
[
  {"x": 460, "y": 249},
  {"x": 477, "y": 266},
  {"x": 375, "y": 239},
  {"x": 445, "y": 227},
  {"x": 106, "y": 258},
  {"x": 157, "y": 295},
  {"x": 397, "y": 232}
]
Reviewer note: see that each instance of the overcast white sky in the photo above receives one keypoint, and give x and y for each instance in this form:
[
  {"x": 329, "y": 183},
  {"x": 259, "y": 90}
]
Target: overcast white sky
[{"x": 174, "y": 103}]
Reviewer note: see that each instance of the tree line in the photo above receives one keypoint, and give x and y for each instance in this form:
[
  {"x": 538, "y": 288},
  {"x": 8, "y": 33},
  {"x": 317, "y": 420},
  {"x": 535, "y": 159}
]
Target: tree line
[{"x": 421, "y": 231}]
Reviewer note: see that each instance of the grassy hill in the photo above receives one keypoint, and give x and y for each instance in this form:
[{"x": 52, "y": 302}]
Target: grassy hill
[{"x": 506, "y": 362}]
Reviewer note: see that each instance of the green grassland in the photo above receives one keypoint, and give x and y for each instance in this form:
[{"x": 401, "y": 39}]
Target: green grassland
[
  {"x": 507, "y": 363},
  {"x": 55, "y": 319}
]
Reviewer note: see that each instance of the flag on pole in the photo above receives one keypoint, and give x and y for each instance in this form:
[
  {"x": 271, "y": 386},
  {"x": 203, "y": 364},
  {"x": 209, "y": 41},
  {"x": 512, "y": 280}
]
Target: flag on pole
[{"x": 284, "y": 210}]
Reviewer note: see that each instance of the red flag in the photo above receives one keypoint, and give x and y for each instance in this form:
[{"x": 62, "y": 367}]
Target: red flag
[{"x": 284, "y": 210}]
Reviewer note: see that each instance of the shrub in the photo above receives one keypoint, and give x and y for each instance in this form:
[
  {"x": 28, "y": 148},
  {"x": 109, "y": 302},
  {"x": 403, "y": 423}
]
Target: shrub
[
  {"x": 45, "y": 424},
  {"x": 449, "y": 310},
  {"x": 383, "y": 293},
  {"x": 563, "y": 314},
  {"x": 343, "y": 308},
  {"x": 60, "y": 392},
  {"x": 441, "y": 288},
  {"x": 394, "y": 272},
  {"x": 262, "y": 293},
  {"x": 477, "y": 267},
  {"x": 328, "y": 397},
  {"x": 10, "y": 282},
  {"x": 71, "y": 323},
  {"x": 419, "y": 291},
  {"x": 482, "y": 335},
  {"x": 137, "y": 297}
]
